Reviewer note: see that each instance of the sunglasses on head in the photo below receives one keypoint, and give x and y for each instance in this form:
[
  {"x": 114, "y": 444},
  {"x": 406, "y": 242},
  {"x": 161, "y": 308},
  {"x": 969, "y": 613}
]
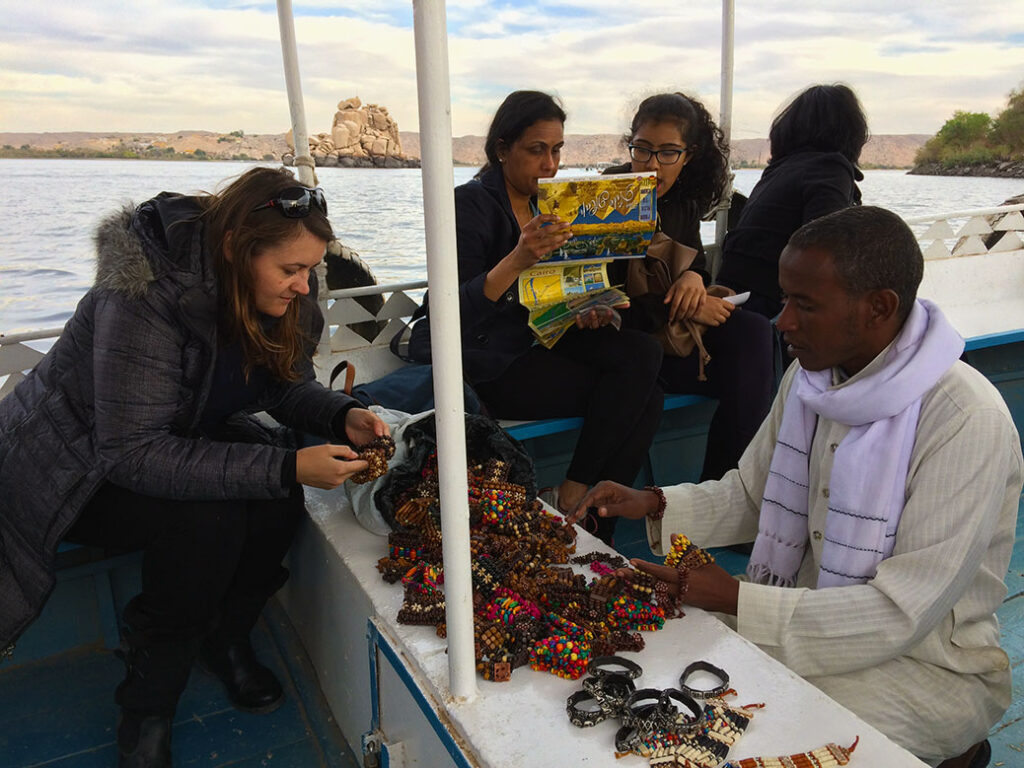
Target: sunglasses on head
[{"x": 296, "y": 202}]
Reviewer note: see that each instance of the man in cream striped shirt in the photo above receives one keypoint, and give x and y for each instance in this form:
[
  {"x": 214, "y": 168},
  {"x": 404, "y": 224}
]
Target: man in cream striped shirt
[{"x": 880, "y": 493}]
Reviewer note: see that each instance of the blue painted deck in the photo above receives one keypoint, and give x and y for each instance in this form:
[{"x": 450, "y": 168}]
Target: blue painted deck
[{"x": 59, "y": 712}]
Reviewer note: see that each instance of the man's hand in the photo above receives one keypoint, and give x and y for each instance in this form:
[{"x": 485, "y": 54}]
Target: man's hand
[
  {"x": 614, "y": 500},
  {"x": 362, "y": 426},
  {"x": 709, "y": 587},
  {"x": 327, "y": 466}
]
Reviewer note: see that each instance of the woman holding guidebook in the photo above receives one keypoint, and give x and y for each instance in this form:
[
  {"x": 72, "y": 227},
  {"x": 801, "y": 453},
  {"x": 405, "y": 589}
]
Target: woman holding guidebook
[
  {"x": 711, "y": 348},
  {"x": 607, "y": 376}
]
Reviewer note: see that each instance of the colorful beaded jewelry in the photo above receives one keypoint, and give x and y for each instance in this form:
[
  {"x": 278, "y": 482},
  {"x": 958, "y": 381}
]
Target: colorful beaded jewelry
[
  {"x": 822, "y": 757},
  {"x": 376, "y": 454},
  {"x": 560, "y": 655}
]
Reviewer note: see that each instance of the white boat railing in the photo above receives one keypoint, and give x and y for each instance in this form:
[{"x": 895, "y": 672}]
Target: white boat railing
[
  {"x": 997, "y": 231},
  {"x": 970, "y": 233}
]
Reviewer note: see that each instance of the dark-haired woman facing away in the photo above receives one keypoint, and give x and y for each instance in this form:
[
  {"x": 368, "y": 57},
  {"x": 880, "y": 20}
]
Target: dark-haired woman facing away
[
  {"x": 134, "y": 433},
  {"x": 608, "y": 377},
  {"x": 816, "y": 143},
  {"x": 674, "y": 136}
]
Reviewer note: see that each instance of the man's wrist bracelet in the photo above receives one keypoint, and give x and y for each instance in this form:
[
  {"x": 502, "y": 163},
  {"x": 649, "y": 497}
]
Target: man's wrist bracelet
[{"x": 658, "y": 513}]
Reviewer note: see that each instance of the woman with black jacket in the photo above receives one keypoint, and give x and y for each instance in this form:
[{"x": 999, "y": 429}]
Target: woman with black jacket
[
  {"x": 608, "y": 377},
  {"x": 673, "y": 136},
  {"x": 816, "y": 143},
  {"x": 134, "y": 432}
]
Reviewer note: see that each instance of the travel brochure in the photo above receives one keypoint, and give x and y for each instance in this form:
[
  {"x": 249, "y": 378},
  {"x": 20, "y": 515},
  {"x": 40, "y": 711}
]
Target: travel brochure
[{"x": 612, "y": 217}]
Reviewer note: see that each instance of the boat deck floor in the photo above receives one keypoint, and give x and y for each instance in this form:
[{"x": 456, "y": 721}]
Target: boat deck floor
[{"x": 60, "y": 713}]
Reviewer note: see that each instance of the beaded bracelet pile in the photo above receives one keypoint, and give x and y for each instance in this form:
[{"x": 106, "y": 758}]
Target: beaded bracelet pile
[
  {"x": 822, "y": 757},
  {"x": 376, "y": 454},
  {"x": 529, "y": 608}
]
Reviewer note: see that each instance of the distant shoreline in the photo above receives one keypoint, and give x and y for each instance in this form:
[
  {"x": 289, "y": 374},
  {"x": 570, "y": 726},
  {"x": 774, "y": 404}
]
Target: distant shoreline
[
  {"x": 1006, "y": 169},
  {"x": 895, "y": 151}
]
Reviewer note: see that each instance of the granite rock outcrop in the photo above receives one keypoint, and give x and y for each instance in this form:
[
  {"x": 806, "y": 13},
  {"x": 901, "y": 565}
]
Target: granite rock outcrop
[{"x": 361, "y": 136}]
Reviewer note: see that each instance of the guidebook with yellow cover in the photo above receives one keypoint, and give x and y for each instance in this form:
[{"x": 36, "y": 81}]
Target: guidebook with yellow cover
[
  {"x": 555, "y": 294},
  {"x": 612, "y": 217}
]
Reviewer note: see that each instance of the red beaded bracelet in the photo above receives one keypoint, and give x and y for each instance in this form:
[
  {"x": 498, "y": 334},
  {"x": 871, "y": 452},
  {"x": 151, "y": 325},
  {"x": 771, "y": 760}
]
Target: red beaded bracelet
[{"x": 660, "y": 511}]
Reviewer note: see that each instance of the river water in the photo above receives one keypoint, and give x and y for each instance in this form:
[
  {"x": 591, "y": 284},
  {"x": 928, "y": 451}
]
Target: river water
[{"x": 49, "y": 208}]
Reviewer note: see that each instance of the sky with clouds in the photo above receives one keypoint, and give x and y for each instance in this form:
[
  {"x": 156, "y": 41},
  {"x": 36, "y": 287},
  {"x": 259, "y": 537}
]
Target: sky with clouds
[{"x": 101, "y": 65}]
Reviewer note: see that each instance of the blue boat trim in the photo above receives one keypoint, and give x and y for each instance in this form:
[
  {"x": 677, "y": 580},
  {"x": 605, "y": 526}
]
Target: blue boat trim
[
  {"x": 378, "y": 642},
  {"x": 994, "y": 339}
]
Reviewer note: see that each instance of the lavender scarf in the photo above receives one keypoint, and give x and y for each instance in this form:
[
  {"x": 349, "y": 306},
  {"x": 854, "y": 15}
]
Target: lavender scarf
[{"x": 866, "y": 489}]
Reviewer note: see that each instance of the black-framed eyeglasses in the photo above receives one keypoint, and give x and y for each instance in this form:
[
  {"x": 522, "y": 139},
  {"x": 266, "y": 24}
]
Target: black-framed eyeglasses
[
  {"x": 665, "y": 156},
  {"x": 297, "y": 202}
]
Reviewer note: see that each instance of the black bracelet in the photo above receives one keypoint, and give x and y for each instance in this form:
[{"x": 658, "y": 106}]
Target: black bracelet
[
  {"x": 630, "y": 669},
  {"x": 682, "y": 723},
  {"x": 584, "y": 718},
  {"x": 627, "y": 738},
  {"x": 698, "y": 693},
  {"x": 643, "y": 709},
  {"x": 611, "y": 692}
]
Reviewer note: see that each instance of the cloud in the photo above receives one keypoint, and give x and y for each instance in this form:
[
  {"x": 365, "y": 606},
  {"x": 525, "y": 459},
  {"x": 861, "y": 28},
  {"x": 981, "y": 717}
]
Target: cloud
[{"x": 217, "y": 65}]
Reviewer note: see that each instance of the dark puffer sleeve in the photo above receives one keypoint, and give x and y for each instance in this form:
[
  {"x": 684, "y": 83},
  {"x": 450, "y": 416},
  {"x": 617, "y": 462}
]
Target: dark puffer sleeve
[{"x": 139, "y": 394}]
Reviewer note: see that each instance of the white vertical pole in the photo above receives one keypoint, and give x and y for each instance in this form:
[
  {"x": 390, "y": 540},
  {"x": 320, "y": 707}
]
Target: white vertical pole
[
  {"x": 303, "y": 160},
  {"x": 725, "y": 114},
  {"x": 294, "y": 84},
  {"x": 431, "y": 34}
]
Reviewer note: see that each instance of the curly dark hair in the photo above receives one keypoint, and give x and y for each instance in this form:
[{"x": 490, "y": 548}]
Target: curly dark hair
[{"x": 706, "y": 175}]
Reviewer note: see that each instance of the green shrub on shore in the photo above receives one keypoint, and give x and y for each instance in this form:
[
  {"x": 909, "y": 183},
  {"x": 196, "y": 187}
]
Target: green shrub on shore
[{"x": 974, "y": 138}]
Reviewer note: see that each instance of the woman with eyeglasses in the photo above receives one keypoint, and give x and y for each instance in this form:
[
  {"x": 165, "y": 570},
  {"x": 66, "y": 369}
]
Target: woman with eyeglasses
[
  {"x": 673, "y": 136},
  {"x": 134, "y": 432},
  {"x": 607, "y": 376},
  {"x": 816, "y": 143}
]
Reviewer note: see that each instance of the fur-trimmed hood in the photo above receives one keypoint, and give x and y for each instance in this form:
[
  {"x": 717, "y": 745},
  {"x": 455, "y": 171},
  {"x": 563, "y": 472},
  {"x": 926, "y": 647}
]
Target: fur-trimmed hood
[{"x": 138, "y": 244}]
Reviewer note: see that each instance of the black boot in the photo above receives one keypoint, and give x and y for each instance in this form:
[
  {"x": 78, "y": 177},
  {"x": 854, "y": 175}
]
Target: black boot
[
  {"x": 143, "y": 741},
  {"x": 250, "y": 685}
]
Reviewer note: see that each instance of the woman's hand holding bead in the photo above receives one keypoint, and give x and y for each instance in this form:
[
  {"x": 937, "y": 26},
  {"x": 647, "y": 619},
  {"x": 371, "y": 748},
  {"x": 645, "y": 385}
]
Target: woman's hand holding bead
[{"x": 326, "y": 466}]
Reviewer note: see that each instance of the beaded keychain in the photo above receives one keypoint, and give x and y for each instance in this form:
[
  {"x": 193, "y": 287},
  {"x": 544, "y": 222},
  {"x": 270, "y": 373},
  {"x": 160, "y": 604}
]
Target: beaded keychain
[{"x": 376, "y": 454}]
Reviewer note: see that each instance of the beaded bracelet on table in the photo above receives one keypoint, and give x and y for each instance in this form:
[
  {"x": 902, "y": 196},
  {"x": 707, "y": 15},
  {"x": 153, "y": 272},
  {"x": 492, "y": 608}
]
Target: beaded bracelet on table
[
  {"x": 822, "y": 757},
  {"x": 615, "y": 561},
  {"x": 514, "y": 548}
]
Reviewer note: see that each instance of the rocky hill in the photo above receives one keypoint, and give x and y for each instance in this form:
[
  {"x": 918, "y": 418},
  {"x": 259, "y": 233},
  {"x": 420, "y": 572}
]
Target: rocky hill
[
  {"x": 884, "y": 151},
  {"x": 190, "y": 144}
]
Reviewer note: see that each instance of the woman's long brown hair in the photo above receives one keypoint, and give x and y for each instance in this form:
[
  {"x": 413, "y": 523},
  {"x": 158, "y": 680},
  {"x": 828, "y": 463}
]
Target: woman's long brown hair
[{"x": 231, "y": 223}]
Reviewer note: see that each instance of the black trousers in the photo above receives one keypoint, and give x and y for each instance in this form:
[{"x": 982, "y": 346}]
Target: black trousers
[
  {"x": 740, "y": 374},
  {"x": 208, "y": 568},
  {"x": 608, "y": 377}
]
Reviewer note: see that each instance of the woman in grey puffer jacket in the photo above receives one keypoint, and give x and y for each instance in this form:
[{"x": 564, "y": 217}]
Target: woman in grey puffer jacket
[{"x": 134, "y": 432}]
